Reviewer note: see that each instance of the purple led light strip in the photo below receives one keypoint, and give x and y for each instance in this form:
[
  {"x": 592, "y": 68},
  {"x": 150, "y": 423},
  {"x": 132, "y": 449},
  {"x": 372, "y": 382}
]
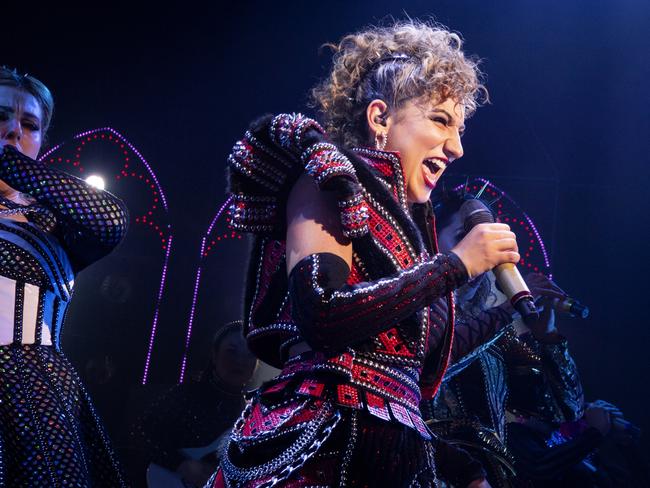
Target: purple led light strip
[
  {"x": 216, "y": 217},
  {"x": 528, "y": 219},
  {"x": 195, "y": 296},
  {"x": 161, "y": 288},
  {"x": 125, "y": 141},
  {"x": 188, "y": 336},
  {"x": 539, "y": 239},
  {"x": 156, "y": 311},
  {"x": 137, "y": 153},
  {"x": 47, "y": 153},
  {"x": 154, "y": 325}
]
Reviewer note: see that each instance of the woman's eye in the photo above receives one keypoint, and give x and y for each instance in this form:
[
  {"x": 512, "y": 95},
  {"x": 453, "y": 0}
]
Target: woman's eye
[
  {"x": 31, "y": 126},
  {"x": 441, "y": 120}
]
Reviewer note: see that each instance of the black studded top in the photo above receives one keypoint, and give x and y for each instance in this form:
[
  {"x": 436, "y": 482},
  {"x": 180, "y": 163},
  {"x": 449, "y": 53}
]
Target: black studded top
[
  {"x": 88, "y": 222},
  {"x": 51, "y": 435}
]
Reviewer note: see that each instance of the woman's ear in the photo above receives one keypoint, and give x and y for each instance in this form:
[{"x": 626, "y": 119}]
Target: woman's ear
[{"x": 377, "y": 118}]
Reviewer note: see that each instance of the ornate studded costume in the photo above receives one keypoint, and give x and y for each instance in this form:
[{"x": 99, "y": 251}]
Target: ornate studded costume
[
  {"x": 545, "y": 390},
  {"x": 346, "y": 411},
  {"x": 515, "y": 373},
  {"x": 50, "y": 435}
]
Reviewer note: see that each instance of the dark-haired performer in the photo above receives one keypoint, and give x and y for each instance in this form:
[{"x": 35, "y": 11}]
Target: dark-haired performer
[
  {"x": 470, "y": 409},
  {"x": 52, "y": 225},
  {"x": 347, "y": 293},
  {"x": 505, "y": 402},
  {"x": 179, "y": 431}
]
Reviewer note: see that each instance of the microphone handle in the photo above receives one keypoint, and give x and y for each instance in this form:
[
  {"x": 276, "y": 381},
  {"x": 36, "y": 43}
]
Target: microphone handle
[{"x": 514, "y": 286}]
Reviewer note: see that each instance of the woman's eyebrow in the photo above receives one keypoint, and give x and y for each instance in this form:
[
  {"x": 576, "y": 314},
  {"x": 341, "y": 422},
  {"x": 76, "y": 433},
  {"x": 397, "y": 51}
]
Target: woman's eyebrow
[
  {"x": 451, "y": 117},
  {"x": 32, "y": 116},
  {"x": 12, "y": 110}
]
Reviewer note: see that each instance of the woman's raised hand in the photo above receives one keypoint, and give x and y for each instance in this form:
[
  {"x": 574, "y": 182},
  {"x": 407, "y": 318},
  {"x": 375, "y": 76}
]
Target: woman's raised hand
[{"x": 487, "y": 246}]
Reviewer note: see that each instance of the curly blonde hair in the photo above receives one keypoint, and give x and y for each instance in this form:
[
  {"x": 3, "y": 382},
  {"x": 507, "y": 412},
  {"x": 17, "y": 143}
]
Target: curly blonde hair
[{"x": 408, "y": 60}]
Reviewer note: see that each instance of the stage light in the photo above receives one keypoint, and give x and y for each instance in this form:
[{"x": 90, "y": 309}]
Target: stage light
[
  {"x": 96, "y": 181},
  {"x": 151, "y": 219}
]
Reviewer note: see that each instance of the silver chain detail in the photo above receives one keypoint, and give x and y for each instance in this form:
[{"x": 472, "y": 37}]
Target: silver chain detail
[{"x": 293, "y": 458}]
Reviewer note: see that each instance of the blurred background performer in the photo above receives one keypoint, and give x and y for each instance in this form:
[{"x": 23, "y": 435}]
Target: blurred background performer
[
  {"x": 347, "y": 293},
  {"x": 470, "y": 408},
  {"x": 52, "y": 225},
  {"x": 180, "y": 432},
  {"x": 517, "y": 404}
]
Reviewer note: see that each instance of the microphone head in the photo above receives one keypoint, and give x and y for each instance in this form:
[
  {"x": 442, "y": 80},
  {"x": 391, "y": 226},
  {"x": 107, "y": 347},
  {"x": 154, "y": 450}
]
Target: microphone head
[
  {"x": 474, "y": 212},
  {"x": 574, "y": 308},
  {"x": 579, "y": 310}
]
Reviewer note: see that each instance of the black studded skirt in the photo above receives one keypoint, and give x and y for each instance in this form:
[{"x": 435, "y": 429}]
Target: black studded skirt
[{"x": 50, "y": 435}]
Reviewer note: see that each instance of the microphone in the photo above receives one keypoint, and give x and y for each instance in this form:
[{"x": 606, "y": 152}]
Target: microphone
[
  {"x": 572, "y": 307},
  {"x": 474, "y": 212},
  {"x": 567, "y": 306}
]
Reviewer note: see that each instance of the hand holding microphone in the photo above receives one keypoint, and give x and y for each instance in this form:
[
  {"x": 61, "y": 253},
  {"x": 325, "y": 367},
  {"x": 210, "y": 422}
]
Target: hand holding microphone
[
  {"x": 486, "y": 246},
  {"x": 489, "y": 245}
]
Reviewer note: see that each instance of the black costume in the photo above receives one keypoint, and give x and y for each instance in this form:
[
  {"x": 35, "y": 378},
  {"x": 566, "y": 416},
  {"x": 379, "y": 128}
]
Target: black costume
[
  {"x": 513, "y": 373},
  {"x": 347, "y": 411},
  {"x": 50, "y": 435}
]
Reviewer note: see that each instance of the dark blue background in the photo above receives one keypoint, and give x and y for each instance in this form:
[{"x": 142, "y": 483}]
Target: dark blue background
[{"x": 566, "y": 135}]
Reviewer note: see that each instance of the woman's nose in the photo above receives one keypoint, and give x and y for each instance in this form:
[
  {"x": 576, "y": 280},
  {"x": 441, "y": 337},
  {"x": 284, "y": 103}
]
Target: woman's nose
[
  {"x": 453, "y": 147},
  {"x": 12, "y": 130}
]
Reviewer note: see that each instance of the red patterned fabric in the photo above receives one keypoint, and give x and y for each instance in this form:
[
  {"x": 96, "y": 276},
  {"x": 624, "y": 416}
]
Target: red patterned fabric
[
  {"x": 393, "y": 344},
  {"x": 385, "y": 233},
  {"x": 312, "y": 388}
]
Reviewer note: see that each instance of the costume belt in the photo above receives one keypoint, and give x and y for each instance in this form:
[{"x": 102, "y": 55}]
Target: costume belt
[
  {"x": 387, "y": 392},
  {"x": 28, "y": 314}
]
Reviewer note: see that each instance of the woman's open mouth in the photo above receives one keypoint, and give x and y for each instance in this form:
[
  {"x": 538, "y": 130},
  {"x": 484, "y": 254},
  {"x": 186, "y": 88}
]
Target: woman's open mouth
[{"x": 432, "y": 170}]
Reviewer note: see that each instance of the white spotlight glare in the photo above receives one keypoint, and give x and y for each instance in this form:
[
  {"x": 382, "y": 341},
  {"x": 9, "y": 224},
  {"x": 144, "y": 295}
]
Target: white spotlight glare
[{"x": 96, "y": 181}]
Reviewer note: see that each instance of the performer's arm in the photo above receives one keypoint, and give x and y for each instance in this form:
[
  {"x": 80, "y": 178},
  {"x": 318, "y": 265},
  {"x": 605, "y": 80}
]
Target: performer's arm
[
  {"x": 332, "y": 314},
  {"x": 473, "y": 333},
  {"x": 90, "y": 221},
  {"x": 559, "y": 368},
  {"x": 561, "y": 372}
]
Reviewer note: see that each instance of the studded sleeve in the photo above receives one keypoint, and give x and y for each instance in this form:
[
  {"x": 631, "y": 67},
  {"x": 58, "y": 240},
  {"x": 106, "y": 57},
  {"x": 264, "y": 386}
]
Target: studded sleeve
[
  {"x": 561, "y": 374},
  {"x": 90, "y": 221},
  {"x": 333, "y": 315},
  {"x": 472, "y": 334}
]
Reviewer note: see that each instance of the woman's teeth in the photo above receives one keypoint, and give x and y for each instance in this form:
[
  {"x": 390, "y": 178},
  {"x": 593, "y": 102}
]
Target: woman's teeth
[
  {"x": 435, "y": 165},
  {"x": 433, "y": 169}
]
